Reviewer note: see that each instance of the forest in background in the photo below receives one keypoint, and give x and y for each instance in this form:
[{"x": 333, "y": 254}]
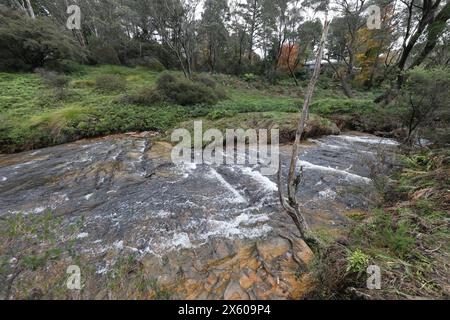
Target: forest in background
[
  {"x": 269, "y": 38},
  {"x": 269, "y": 42}
]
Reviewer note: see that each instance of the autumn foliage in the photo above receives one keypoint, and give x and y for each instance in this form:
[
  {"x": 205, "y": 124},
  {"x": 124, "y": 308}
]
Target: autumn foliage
[{"x": 289, "y": 57}]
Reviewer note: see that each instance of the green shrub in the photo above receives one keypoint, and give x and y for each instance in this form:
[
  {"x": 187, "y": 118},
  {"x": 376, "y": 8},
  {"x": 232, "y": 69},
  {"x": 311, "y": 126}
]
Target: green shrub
[
  {"x": 81, "y": 84},
  {"x": 219, "y": 114},
  {"x": 221, "y": 93},
  {"x": 103, "y": 52},
  {"x": 64, "y": 66},
  {"x": 394, "y": 235},
  {"x": 211, "y": 83},
  {"x": 186, "y": 92},
  {"x": 146, "y": 96},
  {"x": 205, "y": 80},
  {"x": 424, "y": 100},
  {"x": 165, "y": 79},
  {"x": 200, "y": 110},
  {"x": 357, "y": 261},
  {"x": 342, "y": 106},
  {"x": 31, "y": 43},
  {"x": 389, "y": 232},
  {"x": 110, "y": 83},
  {"x": 152, "y": 64},
  {"x": 249, "y": 77},
  {"x": 53, "y": 79},
  {"x": 58, "y": 82}
]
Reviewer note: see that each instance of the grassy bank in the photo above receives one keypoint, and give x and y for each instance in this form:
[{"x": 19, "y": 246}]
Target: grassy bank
[
  {"x": 34, "y": 114},
  {"x": 407, "y": 237},
  {"x": 285, "y": 122}
]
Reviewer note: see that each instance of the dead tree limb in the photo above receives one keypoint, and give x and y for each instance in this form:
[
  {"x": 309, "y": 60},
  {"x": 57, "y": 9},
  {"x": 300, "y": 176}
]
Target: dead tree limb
[{"x": 290, "y": 204}]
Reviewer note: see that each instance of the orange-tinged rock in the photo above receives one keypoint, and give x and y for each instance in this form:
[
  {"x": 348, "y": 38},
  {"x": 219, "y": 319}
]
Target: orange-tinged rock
[
  {"x": 303, "y": 251},
  {"x": 254, "y": 277},
  {"x": 304, "y": 285},
  {"x": 245, "y": 282},
  {"x": 273, "y": 248},
  {"x": 235, "y": 292}
]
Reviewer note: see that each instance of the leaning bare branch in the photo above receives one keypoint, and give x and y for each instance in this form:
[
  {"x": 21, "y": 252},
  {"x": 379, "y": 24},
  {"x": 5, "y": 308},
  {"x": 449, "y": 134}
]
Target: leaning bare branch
[{"x": 291, "y": 205}]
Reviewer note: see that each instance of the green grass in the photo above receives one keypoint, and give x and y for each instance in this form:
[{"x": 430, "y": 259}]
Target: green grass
[
  {"x": 33, "y": 115},
  {"x": 330, "y": 106},
  {"x": 285, "y": 122},
  {"x": 243, "y": 101}
]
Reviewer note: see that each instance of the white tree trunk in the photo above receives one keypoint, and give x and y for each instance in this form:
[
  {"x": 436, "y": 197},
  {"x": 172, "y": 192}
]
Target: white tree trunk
[
  {"x": 292, "y": 206},
  {"x": 20, "y": 5},
  {"x": 30, "y": 9}
]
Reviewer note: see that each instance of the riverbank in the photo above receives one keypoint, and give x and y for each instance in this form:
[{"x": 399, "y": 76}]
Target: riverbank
[
  {"x": 406, "y": 235},
  {"x": 35, "y": 114}
]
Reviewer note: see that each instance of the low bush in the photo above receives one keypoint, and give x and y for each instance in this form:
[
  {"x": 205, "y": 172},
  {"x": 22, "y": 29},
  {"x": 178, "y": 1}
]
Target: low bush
[
  {"x": 146, "y": 96},
  {"x": 110, "y": 83},
  {"x": 201, "y": 110},
  {"x": 53, "y": 79},
  {"x": 103, "y": 52},
  {"x": 64, "y": 66},
  {"x": 152, "y": 64},
  {"x": 423, "y": 101},
  {"x": 249, "y": 77},
  {"x": 58, "y": 82},
  {"x": 342, "y": 106},
  {"x": 81, "y": 84},
  {"x": 211, "y": 83},
  {"x": 186, "y": 92},
  {"x": 205, "y": 80},
  {"x": 358, "y": 261},
  {"x": 34, "y": 43},
  {"x": 219, "y": 114}
]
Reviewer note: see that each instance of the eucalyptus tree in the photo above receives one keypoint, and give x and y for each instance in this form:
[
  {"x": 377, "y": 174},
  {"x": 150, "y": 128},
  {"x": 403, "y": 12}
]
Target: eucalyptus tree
[
  {"x": 343, "y": 40},
  {"x": 23, "y": 5},
  {"x": 251, "y": 11},
  {"x": 425, "y": 22},
  {"x": 303, "y": 37},
  {"x": 381, "y": 47},
  {"x": 421, "y": 26},
  {"x": 276, "y": 19},
  {"x": 238, "y": 39},
  {"x": 175, "y": 23},
  {"x": 140, "y": 18},
  {"x": 289, "y": 200},
  {"x": 213, "y": 30}
]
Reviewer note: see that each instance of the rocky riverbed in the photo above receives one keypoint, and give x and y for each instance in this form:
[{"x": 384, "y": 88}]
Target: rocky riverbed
[{"x": 202, "y": 231}]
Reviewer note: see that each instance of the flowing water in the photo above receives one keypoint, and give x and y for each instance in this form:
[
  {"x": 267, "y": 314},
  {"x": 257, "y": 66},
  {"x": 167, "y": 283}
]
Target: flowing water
[{"x": 134, "y": 200}]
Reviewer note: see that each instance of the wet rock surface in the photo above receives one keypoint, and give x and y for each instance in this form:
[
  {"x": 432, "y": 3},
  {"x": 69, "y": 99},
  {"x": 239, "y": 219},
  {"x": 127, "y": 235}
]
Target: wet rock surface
[{"x": 203, "y": 231}]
